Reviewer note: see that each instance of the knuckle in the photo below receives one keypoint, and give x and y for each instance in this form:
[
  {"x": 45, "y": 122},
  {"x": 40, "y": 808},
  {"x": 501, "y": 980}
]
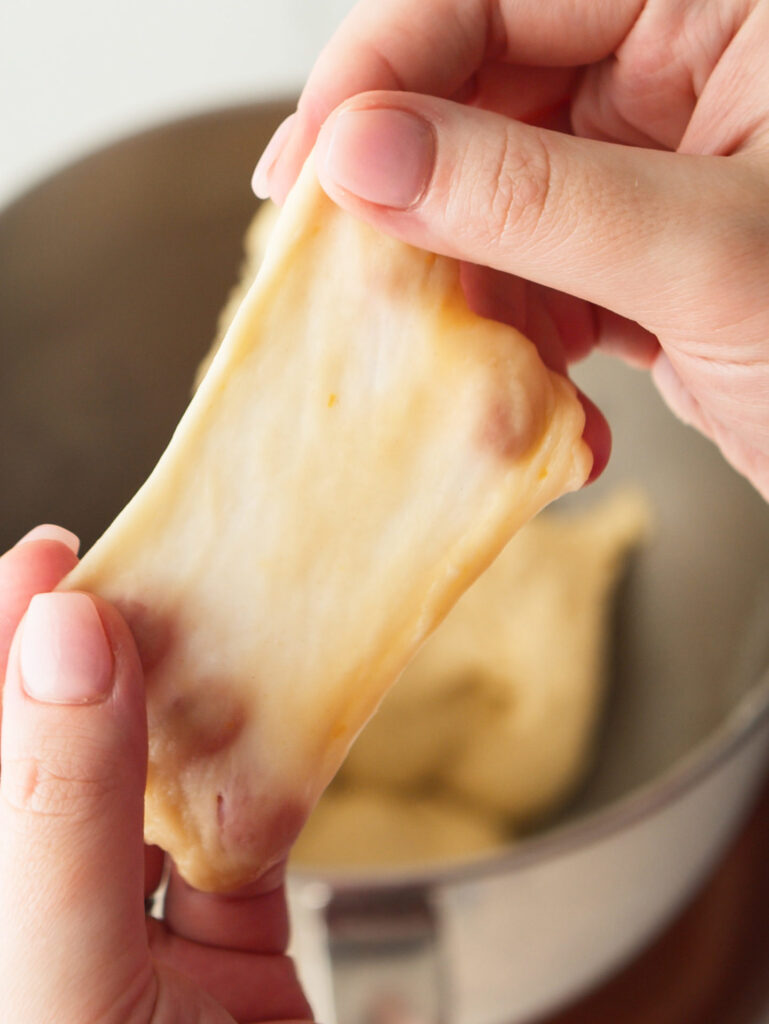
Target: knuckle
[
  {"x": 515, "y": 192},
  {"x": 733, "y": 259},
  {"x": 725, "y": 222},
  {"x": 56, "y": 784}
]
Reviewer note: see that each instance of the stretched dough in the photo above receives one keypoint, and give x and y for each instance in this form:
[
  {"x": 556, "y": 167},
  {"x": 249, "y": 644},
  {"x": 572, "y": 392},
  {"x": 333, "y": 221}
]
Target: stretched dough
[{"x": 359, "y": 451}]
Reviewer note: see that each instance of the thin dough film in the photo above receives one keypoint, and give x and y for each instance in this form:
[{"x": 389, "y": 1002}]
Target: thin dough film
[{"x": 360, "y": 449}]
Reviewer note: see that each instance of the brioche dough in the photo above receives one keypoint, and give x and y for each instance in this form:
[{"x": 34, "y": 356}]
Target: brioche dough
[
  {"x": 493, "y": 721},
  {"x": 380, "y": 828},
  {"x": 254, "y": 247},
  {"x": 541, "y": 615},
  {"x": 360, "y": 449}
]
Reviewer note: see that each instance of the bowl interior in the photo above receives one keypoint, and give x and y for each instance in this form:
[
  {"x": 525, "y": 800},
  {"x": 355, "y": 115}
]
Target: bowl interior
[{"x": 113, "y": 272}]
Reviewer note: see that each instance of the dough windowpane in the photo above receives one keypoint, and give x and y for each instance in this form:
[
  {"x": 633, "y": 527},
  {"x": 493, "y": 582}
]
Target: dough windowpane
[{"x": 360, "y": 449}]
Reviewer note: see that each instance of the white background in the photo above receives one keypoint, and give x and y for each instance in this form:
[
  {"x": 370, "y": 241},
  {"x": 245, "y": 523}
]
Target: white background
[{"x": 76, "y": 73}]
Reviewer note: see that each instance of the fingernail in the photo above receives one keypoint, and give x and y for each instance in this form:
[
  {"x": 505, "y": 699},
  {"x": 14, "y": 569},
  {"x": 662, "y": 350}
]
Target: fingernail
[
  {"x": 383, "y": 156},
  {"x": 50, "y": 532},
  {"x": 260, "y": 182},
  {"x": 65, "y": 655}
]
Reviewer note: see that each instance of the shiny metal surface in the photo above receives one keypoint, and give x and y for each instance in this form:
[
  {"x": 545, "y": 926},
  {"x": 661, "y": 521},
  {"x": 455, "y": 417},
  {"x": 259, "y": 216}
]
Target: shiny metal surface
[{"x": 111, "y": 276}]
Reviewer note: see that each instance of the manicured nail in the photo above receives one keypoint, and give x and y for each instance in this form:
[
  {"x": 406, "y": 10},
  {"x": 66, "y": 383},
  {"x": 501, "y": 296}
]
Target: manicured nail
[
  {"x": 260, "y": 182},
  {"x": 381, "y": 155},
  {"x": 65, "y": 655},
  {"x": 50, "y": 532}
]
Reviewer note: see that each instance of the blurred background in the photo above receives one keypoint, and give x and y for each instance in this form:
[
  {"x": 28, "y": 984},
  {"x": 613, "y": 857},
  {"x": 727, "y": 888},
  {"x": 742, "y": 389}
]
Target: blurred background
[{"x": 78, "y": 73}]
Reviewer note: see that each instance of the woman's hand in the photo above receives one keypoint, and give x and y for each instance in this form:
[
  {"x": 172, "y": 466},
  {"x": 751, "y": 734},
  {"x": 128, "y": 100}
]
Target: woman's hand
[
  {"x": 640, "y": 225},
  {"x": 74, "y": 871}
]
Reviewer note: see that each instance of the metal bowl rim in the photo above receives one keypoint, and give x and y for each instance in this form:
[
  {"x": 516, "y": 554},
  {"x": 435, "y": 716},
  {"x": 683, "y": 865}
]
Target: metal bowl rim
[{"x": 747, "y": 718}]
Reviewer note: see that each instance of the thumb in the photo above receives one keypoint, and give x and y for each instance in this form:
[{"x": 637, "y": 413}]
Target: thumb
[
  {"x": 74, "y": 750},
  {"x": 608, "y": 223}
]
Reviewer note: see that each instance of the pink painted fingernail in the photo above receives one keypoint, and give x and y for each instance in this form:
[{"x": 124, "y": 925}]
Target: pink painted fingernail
[
  {"x": 65, "y": 656},
  {"x": 383, "y": 156},
  {"x": 260, "y": 182},
  {"x": 48, "y": 531}
]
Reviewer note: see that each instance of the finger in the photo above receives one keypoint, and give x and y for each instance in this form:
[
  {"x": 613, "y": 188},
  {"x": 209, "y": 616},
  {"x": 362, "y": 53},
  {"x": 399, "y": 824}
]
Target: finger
[
  {"x": 434, "y": 48},
  {"x": 254, "y": 920},
  {"x": 597, "y": 436},
  {"x": 536, "y": 95},
  {"x": 562, "y": 328},
  {"x": 608, "y": 223},
  {"x": 677, "y": 396},
  {"x": 49, "y": 531},
  {"x": 154, "y": 864},
  {"x": 580, "y": 326},
  {"x": 697, "y": 84},
  {"x": 571, "y": 324},
  {"x": 249, "y": 986},
  {"x": 625, "y": 339},
  {"x": 40, "y": 560},
  {"x": 74, "y": 749},
  {"x": 606, "y": 107},
  {"x": 732, "y": 112}
]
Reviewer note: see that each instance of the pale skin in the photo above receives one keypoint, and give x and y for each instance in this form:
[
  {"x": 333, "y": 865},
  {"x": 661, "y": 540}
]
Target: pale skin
[
  {"x": 635, "y": 221},
  {"x": 74, "y": 870}
]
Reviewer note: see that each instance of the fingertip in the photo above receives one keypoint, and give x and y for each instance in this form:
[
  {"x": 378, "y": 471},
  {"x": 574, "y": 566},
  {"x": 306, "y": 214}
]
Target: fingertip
[
  {"x": 597, "y": 436},
  {"x": 252, "y": 919},
  {"x": 262, "y": 179},
  {"x": 49, "y": 531},
  {"x": 73, "y": 784},
  {"x": 37, "y": 565},
  {"x": 626, "y": 339},
  {"x": 65, "y": 656},
  {"x": 378, "y": 150},
  {"x": 298, "y": 135},
  {"x": 154, "y": 869}
]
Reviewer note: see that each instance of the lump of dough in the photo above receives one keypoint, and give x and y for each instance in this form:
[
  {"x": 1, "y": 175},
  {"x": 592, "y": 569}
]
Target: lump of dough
[
  {"x": 499, "y": 706},
  {"x": 360, "y": 449},
  {"x": 369, "y": 828}
]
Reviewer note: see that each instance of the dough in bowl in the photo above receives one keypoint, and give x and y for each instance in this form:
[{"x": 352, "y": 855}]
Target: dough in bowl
[
  {"x": 366, "y": 827},
  {"x": 494, "y": 720},
  {"x": 500, "y": 704}
]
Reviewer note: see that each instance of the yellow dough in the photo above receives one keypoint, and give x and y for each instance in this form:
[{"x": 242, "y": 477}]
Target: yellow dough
[
  {"x": 499, "y": 706},
  {"x": 254, "y": 246},
  {"x": 375, "y": 828},
  {"x": 360, "y": 449}
]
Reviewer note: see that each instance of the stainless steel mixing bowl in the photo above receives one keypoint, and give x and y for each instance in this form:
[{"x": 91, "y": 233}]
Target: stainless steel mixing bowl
[{"x": 111, "y": 276}]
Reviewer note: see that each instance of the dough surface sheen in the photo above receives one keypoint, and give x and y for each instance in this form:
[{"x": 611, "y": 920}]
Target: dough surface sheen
[{"x": 360, "y": 449}]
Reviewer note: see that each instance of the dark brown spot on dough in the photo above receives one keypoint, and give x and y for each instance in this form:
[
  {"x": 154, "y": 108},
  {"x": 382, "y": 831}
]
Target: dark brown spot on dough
[
  {"x": 203, "y": 722},
  {"x": 254, "y": 823},
  {"x": 152, "y": 632},
  {"x": 506, "y": 433}
]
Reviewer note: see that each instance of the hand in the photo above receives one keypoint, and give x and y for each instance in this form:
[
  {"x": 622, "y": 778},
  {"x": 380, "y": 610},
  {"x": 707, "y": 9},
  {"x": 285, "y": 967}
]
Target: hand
[
  {"x": 74, "y": 942},
  {"x": 639, "y": 225}
]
